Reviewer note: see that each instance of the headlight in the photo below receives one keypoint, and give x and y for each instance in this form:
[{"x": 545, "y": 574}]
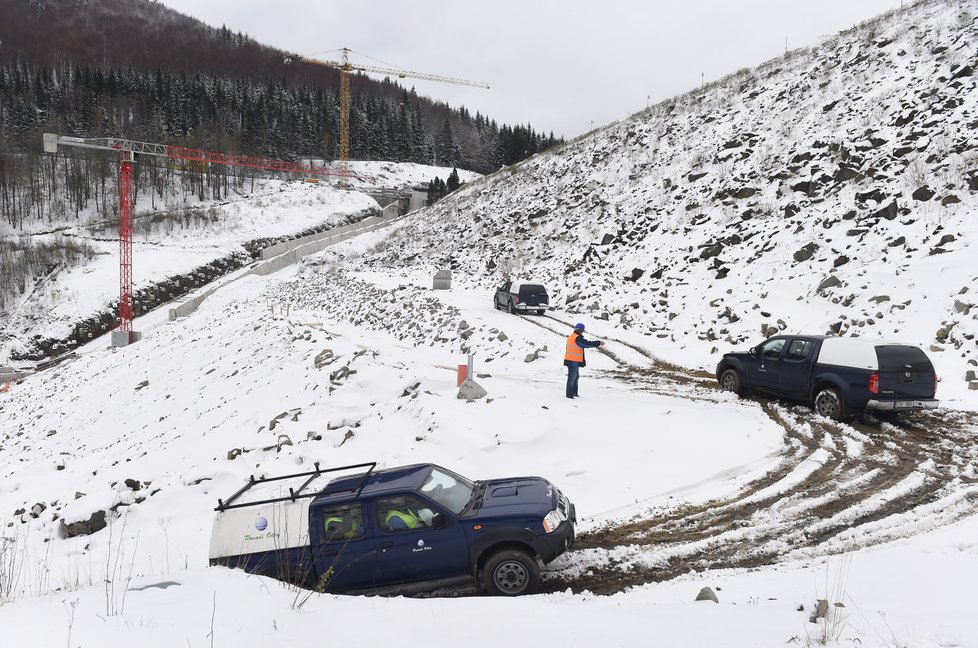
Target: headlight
[{"x": 553, "y": 520}]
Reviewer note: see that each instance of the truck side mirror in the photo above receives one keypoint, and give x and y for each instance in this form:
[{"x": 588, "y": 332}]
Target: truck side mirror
[
  {"x": 752, "y": 351},
  {"x": 439, "y": 520}
]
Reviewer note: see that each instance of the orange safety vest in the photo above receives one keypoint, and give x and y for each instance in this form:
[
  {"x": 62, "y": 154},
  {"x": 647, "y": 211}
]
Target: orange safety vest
[{"x": 574, "y": 353}]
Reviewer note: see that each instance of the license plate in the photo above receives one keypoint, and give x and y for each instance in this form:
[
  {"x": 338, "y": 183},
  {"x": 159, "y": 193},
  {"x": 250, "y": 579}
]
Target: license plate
[{"x": 906, "y": 403}]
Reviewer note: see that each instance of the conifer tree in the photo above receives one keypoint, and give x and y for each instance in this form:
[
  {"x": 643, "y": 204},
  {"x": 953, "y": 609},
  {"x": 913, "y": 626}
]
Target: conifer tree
[{"x": 453, "y": 181}]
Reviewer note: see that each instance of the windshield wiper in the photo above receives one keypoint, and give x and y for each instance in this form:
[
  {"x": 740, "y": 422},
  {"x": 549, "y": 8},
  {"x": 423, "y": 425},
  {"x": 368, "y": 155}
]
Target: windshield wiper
[{"x": 472, "y": 505}]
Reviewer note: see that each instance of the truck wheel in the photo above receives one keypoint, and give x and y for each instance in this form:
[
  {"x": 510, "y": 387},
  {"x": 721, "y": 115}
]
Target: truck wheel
[
  {"x": 730, "y": 381},
  {"x": 510, "y": 573},
  {"x": 541, "y": 311},
  {"x": 828, "y": 403},
  {"x": 512, "y": 308}
]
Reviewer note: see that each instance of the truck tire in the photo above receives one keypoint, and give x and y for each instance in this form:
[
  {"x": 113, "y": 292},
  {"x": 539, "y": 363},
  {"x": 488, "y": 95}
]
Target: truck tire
[
  {"x": 828, "y": 403},
  {"x": 512, "y": 308},
  {"x": 511, "y": 572},
  {"x": 730, "y": 381}
]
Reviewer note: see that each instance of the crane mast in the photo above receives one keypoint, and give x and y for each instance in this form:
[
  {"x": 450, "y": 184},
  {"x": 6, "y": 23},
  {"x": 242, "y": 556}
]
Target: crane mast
[
  {"x": 126, "y": 150},
  {"x": 345, "y": 67}
]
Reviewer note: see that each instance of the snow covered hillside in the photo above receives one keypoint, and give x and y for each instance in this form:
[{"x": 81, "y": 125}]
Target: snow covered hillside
[
  {"x": 813, "y": 193},
  {"x": 179, "y": 244},
  {"x": 112, "y": 464},
  {"x": 834, "y": 190}
]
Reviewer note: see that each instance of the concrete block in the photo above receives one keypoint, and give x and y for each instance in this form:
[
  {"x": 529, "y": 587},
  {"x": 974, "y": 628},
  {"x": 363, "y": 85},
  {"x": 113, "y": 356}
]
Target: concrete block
[
  {"x": 442, "y": 280},
  {"x": 125, "y": 338}
]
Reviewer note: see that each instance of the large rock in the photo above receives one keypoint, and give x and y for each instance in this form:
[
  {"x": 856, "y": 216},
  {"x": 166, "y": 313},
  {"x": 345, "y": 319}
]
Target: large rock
[
  {"x": 923, "y": 194},
  {"x": 711, "y": 251},
  {"x": 324, "y": 358},
  {"x": 707, "y": 594},
  {"x": 829, "y": 282},
  {"x": 889, "y": 212},
  {"x": 85, "y": 527},
  {"x": 805, "y": 253},
  {"x": 471, "y": 390}
]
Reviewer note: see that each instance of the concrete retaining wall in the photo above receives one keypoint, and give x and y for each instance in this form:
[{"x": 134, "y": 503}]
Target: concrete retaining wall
[{"x": 289, "y": 253}]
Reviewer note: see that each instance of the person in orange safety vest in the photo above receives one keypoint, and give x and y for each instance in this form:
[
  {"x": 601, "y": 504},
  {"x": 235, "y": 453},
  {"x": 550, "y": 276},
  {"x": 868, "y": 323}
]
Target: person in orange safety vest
[{"x": 574, "y": 357}]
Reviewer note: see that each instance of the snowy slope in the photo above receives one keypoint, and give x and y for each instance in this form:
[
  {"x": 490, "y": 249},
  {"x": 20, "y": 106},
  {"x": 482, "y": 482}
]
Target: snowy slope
[
  {"x": 173, "y": 238},
  {"x": 351, "y": 357},
  {"x": 831, "y": 191},
  {"x": 152, "y": 434}
]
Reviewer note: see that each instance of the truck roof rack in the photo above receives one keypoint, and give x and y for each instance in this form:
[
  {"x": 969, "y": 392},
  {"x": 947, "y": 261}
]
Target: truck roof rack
[{"x": 294, "y": 494}]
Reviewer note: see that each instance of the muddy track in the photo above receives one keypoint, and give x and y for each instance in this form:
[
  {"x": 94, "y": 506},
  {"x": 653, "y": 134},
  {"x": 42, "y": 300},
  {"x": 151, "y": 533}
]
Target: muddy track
[{"x": 833, "y": 487}]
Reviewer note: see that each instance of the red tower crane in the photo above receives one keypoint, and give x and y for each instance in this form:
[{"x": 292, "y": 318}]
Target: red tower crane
[{"x": 126, "y": 150}]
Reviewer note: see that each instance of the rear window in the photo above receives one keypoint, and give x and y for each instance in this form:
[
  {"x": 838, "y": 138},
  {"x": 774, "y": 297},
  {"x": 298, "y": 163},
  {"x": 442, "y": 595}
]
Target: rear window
[
  {"x": 902, "y": 358},
  {"x": 527, "y": 290}
]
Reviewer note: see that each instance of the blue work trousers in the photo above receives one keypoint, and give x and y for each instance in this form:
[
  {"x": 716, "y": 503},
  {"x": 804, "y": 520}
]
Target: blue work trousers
[{"x": 573, "y": 372}]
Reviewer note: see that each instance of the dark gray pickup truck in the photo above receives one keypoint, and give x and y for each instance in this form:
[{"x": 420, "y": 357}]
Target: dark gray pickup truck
[{"x": 838, "y": 376}]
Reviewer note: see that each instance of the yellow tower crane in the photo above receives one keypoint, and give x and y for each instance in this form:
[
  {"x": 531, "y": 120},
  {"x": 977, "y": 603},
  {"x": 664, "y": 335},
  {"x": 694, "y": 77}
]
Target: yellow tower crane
[{"x": 345, "y": 67}]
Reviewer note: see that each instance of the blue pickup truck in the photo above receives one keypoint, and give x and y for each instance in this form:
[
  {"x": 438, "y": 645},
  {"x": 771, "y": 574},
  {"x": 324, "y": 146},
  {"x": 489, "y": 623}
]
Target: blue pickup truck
[
  {"x": 395, "y": 531},
  {"x": 838, "y": 376}
]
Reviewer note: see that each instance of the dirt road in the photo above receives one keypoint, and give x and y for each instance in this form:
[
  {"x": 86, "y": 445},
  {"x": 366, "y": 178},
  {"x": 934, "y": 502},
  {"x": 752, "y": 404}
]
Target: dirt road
[{"x": 836, "y": 487}]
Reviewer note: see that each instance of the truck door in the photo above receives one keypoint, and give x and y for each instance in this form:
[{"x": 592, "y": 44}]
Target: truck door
[
  {"x": 417, "y": 541},
  {"x": 796, "y": 368},
  {"x": 343, "y": 547},
  {"x": 765, "y": 371},
  {"x": 502, "y": 295}
]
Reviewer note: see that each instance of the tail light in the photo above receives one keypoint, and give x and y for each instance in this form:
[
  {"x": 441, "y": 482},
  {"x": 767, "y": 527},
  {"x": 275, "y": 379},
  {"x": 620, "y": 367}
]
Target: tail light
[
  {"x": 874, "y": 383},
  {"x": 936, "y": 380},
  {"x": 516, "y": 299}
]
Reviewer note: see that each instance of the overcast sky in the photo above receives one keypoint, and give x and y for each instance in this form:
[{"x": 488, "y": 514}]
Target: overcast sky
[{"x": 563, "y": 66}]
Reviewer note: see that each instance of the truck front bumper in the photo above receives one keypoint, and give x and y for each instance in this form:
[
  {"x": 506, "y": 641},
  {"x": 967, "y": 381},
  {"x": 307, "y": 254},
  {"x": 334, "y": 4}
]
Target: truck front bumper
[
  {"x": 550, "y": 545},
  {"x": 902, "y": 405}
]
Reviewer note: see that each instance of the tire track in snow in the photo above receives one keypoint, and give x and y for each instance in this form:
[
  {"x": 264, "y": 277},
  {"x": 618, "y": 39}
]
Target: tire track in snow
[
  {"x": 833, "y": 487},
  {"x": 837, "y": 487}
]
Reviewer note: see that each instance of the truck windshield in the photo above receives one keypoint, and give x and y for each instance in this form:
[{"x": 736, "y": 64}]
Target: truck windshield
[{"x": 448, "y": 489}]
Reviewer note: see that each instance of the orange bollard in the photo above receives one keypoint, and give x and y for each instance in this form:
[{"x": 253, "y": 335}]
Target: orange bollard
[{"x": 463, "y": 374}]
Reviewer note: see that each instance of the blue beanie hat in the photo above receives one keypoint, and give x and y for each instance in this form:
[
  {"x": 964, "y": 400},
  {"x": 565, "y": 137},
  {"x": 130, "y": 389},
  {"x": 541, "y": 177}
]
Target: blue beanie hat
[{"x": 579, "y": 326}]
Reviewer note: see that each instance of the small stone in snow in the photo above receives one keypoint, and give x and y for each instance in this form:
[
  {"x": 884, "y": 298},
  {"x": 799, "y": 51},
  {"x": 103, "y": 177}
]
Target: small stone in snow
[{"x": 821, "y": 610}]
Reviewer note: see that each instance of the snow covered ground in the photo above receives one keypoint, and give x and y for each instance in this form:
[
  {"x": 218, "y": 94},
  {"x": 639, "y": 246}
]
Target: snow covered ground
[
  {"x": 149, "y": 431},
  {"x": 351, "y": 357},
  {"x": 830, "y": 191},
  {"x": 166, "y": 244}
]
